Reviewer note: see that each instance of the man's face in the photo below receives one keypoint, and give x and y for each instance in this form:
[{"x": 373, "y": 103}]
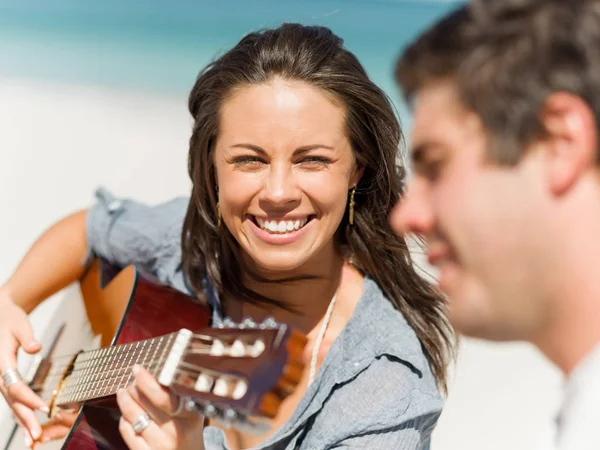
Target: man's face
[{"x": 478, "y": 219}]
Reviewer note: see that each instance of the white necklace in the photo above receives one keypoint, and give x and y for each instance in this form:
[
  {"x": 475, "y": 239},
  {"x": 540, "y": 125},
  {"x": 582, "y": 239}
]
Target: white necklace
[{"x": 315, "y": 350}]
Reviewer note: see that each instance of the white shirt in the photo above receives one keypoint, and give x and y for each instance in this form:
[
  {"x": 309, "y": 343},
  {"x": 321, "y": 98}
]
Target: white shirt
[{"x": 577, "y": 426}]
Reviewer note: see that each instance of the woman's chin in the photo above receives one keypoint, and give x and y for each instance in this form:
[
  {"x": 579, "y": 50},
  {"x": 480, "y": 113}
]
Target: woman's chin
[{"x": 277, "y": 264}]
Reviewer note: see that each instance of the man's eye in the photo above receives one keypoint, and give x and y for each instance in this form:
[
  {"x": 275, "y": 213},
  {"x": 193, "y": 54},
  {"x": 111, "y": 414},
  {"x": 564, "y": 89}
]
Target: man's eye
[{"x": 431, "y": 169}]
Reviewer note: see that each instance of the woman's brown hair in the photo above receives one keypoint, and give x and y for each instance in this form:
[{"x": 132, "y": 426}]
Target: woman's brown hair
[{"x": 316, "y": 56}]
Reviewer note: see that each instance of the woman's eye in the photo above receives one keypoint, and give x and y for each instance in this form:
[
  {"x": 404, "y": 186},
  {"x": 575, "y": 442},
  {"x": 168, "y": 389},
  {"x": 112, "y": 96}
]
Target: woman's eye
[
  {"x": 315, "y": 161},
  {"x": 248, "y": 160}
]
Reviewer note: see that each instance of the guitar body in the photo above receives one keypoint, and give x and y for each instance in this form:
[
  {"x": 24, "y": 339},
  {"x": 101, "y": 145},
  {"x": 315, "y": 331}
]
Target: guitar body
[{"x": 128, "y": 309}]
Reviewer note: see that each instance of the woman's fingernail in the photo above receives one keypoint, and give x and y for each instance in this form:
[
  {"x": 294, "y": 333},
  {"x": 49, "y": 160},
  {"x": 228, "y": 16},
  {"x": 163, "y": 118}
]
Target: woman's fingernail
[
  {"x": 44, "y": 409},
  {"x": 136, "y": 369},
  {"x": 28, "y": 440},
  {"x": 36, "y": 433}
]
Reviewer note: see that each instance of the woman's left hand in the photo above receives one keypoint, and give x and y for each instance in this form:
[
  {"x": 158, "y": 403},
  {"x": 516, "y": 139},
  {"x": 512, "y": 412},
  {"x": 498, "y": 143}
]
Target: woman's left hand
[{"x": 155, "y": 412}]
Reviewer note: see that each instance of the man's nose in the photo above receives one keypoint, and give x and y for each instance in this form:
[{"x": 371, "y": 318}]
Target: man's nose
[{"x": 413, "y": 213}]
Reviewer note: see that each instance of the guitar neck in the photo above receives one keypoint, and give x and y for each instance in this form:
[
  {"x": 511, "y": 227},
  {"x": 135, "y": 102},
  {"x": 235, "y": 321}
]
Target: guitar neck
[{"x": 101, "y": 373}]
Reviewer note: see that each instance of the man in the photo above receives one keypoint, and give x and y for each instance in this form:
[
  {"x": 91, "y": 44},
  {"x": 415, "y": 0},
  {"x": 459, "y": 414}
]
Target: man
[{"x": 506, "y": 187}]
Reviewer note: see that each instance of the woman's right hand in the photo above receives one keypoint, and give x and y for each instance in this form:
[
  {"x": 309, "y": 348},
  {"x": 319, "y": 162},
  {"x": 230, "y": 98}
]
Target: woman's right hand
[{"x": 15, "y": 333}]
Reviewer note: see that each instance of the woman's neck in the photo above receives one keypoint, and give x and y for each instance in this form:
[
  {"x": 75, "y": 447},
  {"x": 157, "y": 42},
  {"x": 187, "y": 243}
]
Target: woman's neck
[{"x": 301, "y": 302}]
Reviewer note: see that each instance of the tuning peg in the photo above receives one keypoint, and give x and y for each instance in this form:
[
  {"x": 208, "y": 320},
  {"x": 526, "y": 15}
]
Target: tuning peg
[
  {"x": 228, "y": 323},
  {"x": 257, "y": 349},
  {"x": 238, "y": 349},
  {"x": 248, "y": 323},
  {"x": 221, "y": 388},
  {"x": 269, "y": 323},
  {"x": 204, "y": 383},
  {"x": 217, "y": 348},
  {"x": 230, "y": 415},
  {"x": 240, "y": 390},
  {"x": 192, "y": 406},
  {"x": 210, "y": 410}
]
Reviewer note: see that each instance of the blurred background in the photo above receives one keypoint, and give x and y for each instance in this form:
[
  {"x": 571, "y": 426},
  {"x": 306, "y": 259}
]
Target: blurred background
[{"x": 94, "y": 93}]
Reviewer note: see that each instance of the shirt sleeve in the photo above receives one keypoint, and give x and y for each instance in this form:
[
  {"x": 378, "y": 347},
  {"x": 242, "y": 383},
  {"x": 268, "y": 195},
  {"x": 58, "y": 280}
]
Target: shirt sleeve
[
  {"x": 126, "y": 232},
  {"x": 214, "y": 439}
]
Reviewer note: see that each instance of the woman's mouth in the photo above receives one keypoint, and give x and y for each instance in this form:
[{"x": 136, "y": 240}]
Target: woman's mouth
[{"x": 277, "y": 226}]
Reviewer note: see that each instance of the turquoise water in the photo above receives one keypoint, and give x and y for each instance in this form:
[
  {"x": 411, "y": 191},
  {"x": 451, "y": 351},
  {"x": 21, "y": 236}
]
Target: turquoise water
[{"x": 159, "y": 46}]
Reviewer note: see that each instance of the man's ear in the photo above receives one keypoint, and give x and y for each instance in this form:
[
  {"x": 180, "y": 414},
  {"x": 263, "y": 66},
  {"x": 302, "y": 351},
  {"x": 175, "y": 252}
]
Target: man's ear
[{"x": 570, "y": 142}]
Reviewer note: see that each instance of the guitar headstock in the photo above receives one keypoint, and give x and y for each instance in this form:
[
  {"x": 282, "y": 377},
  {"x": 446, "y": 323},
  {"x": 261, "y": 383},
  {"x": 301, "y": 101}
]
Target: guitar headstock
[{"x": 236, "y": 373}]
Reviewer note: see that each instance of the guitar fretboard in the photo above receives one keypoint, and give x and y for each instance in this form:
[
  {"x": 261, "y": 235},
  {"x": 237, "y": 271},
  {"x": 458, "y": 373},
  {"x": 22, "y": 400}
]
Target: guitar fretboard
[{"x": 101, "y": 373}]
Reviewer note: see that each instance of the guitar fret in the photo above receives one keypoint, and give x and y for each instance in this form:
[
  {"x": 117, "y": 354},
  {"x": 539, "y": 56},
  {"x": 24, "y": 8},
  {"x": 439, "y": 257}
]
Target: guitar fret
[
  {"x": 162, "y": 356},
  {"x": 112, "y": 362},
  {"x": 122, "y": 355},
  {"x": 128, "y": 378},
  {"x": 120, "y": 369},
  {"x": 88, "y": 369},
  {"x": 143, "y": 354},
  {"x": 102, "y": 372},
  {"x": 153, "y": 360},
  {"x": 91, "y": 366},
  {"x": 95, "y": 382},
  {"x": 102, "y": 379}
]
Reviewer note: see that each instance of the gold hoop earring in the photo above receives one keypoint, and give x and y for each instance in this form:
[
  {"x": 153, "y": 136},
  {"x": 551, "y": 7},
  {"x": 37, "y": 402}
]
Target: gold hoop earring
[
  {"x": 351, "y": 207},
  {"x": 218, "y": 215}
]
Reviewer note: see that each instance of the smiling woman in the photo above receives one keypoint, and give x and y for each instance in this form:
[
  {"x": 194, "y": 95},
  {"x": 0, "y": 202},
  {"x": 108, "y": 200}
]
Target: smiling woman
[{"x": 293, "y": 164}]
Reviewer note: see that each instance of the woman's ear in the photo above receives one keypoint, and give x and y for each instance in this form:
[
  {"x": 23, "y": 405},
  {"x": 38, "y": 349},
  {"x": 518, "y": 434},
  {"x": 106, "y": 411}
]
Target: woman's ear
[{"x": 357, "y": 174}]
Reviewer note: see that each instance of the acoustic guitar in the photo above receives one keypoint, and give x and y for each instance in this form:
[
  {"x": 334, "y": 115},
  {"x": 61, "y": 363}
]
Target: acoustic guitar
[{"x": 237, "y": 374}]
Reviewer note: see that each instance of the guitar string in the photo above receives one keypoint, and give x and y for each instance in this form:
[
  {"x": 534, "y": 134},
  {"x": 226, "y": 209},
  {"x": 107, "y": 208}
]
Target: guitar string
[
  {"x": 110, "y": 390},
  {"x": 105, "y": 373},
  {"x": 121, "y": 349},
  {"x": 103, "y": 353},
  {"x": 123, "y": 357},
  {"x": 122, "y": 371},
  {"x": 90, "y": 396},
  {"x": 99, "y": 369}
]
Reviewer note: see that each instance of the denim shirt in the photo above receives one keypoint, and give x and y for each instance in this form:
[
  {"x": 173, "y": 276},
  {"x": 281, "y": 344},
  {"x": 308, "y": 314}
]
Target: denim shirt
[{"x": 374, "y": 390}]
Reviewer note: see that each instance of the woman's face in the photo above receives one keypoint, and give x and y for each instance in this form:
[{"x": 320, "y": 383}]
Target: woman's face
[{"x": 284, "y": 166}]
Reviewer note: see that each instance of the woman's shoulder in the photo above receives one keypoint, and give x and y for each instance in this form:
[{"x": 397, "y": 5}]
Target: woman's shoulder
[
  {"x": 378, "y": 332},
  {"x": 160, "y": 215},
  {"x": 378, "y": 368},
  {"x": 388, "y": 397},
  {"x": 125, "y": 231}
]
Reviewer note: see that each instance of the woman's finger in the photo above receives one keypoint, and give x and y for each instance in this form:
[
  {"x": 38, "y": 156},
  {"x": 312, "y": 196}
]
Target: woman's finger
[
  {"x": 26, "y": 434},
  {"x": 21, "y": 393},
  {"x": 58, "y": 426},
  {"x": 54, "y": 430},
  {"x": 28, "y": 418},
  {"x": 24, "y": 335},
  {"x": 157, "y": 414},
  {"x": 22, "y": 413},
  {"x": 131, "y": 412},
  {"x": 159, "y": 396},
  {"x": 133, "y": 440}
]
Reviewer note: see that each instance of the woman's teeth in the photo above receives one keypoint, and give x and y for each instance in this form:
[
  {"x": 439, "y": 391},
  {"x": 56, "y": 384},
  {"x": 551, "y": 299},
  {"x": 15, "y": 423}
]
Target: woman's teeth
[{"x": 281, "y": 226}]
